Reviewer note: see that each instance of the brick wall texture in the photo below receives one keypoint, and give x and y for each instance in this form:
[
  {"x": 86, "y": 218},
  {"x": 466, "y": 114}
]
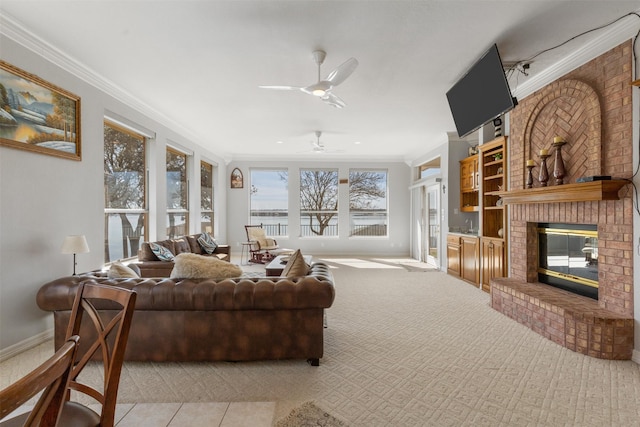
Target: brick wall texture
[{"x": 591, "y": 108}]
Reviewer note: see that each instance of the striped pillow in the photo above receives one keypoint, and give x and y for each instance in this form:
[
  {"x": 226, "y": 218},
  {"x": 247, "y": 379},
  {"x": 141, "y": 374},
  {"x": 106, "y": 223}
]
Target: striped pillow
[
  {"x": 208, "y": 244},
  {"x": 161, "y": 252}
]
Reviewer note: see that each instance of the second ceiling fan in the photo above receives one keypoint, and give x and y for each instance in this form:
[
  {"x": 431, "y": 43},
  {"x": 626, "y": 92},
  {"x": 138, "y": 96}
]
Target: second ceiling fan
[{"x": 322, "y": 88}]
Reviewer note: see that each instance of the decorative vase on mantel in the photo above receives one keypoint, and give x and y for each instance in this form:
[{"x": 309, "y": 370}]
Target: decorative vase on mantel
[
  {"x": 558, "y": 167},
  {"x": 543, "y": 177}
]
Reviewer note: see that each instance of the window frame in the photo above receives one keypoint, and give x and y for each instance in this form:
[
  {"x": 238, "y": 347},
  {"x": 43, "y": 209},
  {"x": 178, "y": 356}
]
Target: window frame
[
  {"x": 203, "y": 209},
  {"x": 334, "y": 212},
  {"x": 184, "y": 211},
  {"x": 130, "y": 211},
  {"x": 386, "y": 207},
  {"x": 269, "y": 229}
]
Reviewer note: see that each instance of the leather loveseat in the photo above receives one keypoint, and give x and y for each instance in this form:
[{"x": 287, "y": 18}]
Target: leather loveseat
[
  {"x": 240, "y": 319},
  {"x": 151, "y": 266}
]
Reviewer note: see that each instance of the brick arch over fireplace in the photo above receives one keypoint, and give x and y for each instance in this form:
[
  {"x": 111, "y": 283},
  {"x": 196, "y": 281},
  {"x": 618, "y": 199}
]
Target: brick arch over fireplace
[{"x": 568, "y": 108}]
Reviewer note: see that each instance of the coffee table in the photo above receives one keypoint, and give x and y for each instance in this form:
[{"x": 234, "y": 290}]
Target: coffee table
[{"x": 276, "y": 267}]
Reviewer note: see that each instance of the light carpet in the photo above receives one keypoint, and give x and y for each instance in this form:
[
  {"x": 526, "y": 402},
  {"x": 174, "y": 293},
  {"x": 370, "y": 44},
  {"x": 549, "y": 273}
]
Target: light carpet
[{"x": 411, "y": 348}]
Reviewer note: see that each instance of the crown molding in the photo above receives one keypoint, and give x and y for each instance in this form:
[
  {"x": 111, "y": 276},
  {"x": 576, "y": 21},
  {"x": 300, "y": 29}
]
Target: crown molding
[
  {"x": 16, "y": 31},
  {"x": 624, "y": 30}
]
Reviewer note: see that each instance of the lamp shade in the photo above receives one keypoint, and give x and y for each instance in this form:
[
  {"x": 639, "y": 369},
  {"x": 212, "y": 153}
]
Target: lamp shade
[{"x": 75, "y": 245}]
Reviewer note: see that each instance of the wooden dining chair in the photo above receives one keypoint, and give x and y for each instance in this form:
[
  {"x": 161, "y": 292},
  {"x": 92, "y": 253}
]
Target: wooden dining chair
[
  {"x": 52, "y": 376},
  {"x": 101, "y": 316}
]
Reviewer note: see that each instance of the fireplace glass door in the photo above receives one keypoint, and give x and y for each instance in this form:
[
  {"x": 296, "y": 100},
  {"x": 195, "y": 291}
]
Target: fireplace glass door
[{"x": 568, "y": 256}]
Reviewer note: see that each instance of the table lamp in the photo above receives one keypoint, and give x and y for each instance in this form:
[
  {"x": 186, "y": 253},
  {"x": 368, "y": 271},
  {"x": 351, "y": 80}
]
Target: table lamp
[{"x": 75, "y": 245}]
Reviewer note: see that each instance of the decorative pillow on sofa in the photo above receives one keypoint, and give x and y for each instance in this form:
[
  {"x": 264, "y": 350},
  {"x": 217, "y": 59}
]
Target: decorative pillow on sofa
[
  {"x": 193, "y": 266},
  {"x": 296, "y": 266},
  {"x": 161, "y": 252},
  {"x": 180, "y": 246},
  {"x": 207, "y": 242},
  {"x": 121, "y": 271}
]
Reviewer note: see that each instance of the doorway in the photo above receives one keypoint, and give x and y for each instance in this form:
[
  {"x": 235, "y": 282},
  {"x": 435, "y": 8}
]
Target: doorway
[{"x": 431, "y": 223}]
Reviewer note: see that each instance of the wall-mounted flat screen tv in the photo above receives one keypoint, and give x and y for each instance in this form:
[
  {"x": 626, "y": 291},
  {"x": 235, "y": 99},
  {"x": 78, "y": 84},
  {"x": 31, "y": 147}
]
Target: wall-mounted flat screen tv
[{"x": 481, "y": 95}]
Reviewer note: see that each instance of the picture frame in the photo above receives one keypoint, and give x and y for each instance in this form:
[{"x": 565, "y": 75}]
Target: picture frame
[
  {"x": 38, "y": 116},
  {"x": 237, "y": 181}
]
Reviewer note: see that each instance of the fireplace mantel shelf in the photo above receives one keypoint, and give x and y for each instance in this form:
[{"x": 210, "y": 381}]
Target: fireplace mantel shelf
[{"x": 579, "y": 192}]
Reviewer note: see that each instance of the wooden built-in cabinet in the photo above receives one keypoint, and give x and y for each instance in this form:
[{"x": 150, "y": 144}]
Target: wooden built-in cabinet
[
  {"x": 463, "y": 257},
  {"x": 469, "y": 254},
  {"x": 483, "y": 180},
  {"x": 493, "y": 214},
  {"x": 453, "y": 255},
  {"x": 493, "y": 261},
  {"x": 469, "y": 184}
]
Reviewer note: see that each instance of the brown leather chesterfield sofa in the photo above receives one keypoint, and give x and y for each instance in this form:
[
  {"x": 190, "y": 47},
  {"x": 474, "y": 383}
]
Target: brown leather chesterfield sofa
[
  {"x": 238, "y": 319},
  {"x": 151, "y": 266}
]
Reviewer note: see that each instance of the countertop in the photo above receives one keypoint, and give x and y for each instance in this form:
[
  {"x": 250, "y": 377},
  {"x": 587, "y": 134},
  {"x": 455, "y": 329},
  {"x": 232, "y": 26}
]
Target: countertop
[{"x": 466, "y": 234}]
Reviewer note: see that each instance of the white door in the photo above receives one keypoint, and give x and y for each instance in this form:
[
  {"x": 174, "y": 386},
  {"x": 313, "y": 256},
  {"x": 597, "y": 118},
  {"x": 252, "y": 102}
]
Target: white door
[{"x": 431, "y": 221}]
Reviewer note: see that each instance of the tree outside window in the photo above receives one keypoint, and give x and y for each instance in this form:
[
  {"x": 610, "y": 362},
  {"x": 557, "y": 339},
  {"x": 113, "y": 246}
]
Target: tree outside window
[
  {"x": 368, "y": 214},
  {"x": 318, "y": 202},
  {"x": 206, "y": 198},
  {"x": 124, "y": 192},
  {"x": 177, "y": 202}
]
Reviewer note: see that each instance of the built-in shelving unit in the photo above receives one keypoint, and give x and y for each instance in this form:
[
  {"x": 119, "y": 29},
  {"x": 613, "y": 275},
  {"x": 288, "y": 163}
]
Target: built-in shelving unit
[
  {"x": 493, "y": 166},
  {"x": 579, "y": 192}
]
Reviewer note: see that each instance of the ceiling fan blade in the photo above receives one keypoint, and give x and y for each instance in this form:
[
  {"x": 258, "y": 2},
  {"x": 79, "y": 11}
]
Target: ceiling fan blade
[
  {"x": 333, "y": 100},
  {"x": 281, "y": 87},
  {"x": 343, "y": 71}
]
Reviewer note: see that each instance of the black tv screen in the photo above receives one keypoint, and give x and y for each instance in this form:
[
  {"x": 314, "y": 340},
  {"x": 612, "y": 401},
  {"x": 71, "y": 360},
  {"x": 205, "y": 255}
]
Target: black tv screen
[{"x": 481, "y": 95}]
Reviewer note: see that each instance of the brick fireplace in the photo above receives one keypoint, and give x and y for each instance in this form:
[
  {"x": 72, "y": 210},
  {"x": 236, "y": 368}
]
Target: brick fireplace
[{"x": 591, "y": 109}]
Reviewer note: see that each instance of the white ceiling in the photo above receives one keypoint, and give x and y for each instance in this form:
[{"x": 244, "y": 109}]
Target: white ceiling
[{"x": 199, "y": 63}]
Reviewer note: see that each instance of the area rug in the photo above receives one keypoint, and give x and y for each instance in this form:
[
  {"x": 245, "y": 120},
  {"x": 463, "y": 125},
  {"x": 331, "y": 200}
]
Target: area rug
[{"x": 309, "y": 415}]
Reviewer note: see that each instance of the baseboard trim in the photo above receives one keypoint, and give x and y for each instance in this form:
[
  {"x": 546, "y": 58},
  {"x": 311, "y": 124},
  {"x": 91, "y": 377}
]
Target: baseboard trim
[
  {"x": 25, "y": 345},
  {"x": 635, "y": 356}
]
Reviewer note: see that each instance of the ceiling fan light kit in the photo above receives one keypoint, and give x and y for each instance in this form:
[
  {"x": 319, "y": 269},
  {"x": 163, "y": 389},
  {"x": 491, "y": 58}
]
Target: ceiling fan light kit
[{"x": 322, "y": 88}]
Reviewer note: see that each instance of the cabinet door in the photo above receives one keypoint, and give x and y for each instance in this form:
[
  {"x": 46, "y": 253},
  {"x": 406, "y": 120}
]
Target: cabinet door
[
  {"x": 493, "y": 258},
  {"x": 475, "y": 175},
  {"x": 469, "y": 260},
  {"x": 453, "y": 255},
  {"x": 466, "y": 172}
]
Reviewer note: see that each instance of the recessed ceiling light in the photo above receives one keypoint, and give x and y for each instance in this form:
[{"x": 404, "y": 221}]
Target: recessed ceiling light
[
  {"x": 357, "y": 142},
  {"x": 279, "y": 142}
]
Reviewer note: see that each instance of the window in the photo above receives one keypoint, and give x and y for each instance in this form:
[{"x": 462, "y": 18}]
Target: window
[
  {"x": 269, "y": 200},
  {"x": 368, "y": 203},
  {"x": 318, "y": 202},
  {"x": 124, "y": 192},
  {"x": 206, "y": 198},
  {"x": 177, "y": 189},
  {"x": 429, "y": 169}
]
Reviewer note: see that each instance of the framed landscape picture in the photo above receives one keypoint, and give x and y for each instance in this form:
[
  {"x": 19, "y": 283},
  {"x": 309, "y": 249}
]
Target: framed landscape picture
[{"x": 38, "y": 116}]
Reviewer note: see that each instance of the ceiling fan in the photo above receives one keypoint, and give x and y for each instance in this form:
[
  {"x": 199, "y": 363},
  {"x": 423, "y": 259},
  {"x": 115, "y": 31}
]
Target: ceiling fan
[
  {"x": 318, "y": 147},
  {"x": 322, "y": 88}
]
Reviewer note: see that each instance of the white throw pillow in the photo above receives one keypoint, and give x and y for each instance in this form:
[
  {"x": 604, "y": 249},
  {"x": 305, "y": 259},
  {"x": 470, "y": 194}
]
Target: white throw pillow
[
  {"x": 193, "y": 266},
  {"x": 121, "y": 271}
]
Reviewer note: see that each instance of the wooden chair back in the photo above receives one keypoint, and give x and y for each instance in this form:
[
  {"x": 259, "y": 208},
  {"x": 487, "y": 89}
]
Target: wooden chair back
[
  {"x": 52, "y": 376},
  {"x": 111, "y": 334}
]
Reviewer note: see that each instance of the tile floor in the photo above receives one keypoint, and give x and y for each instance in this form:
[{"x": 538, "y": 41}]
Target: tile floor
[
  {"x": 221, "y": 414},
  {"x": 215, "y": 414}
]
